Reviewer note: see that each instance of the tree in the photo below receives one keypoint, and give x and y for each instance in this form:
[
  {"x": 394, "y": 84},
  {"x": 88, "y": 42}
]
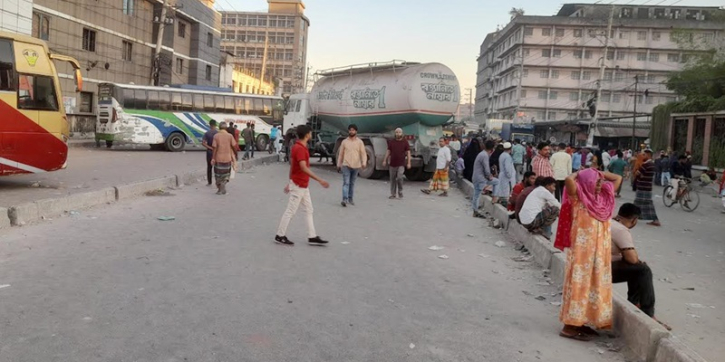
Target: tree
[{"x": 514, "y": 12}]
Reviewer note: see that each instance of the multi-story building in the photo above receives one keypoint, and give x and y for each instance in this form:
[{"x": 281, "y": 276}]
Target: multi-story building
[
  {"x": 240, "y": 80},
  {"x": 548, "y": 67},
  {"x": 272, "y": 42},
  {"x": 115, "y": 41}
]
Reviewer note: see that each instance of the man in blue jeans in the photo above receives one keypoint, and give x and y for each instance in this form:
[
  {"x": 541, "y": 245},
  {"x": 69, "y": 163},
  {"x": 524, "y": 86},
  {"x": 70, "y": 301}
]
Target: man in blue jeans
[
  {"x": 351, "y": 159},
  {"x": 482, "y": 176}
]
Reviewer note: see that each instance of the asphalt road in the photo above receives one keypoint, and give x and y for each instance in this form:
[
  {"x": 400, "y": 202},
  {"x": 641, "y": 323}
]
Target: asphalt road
[{"x": 116, "y": 284}]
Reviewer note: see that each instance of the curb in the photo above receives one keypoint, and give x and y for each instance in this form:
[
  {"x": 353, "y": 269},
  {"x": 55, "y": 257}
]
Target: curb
[
  {"x": 647, "y": 339},
  {"x": 39, "y": 210}
]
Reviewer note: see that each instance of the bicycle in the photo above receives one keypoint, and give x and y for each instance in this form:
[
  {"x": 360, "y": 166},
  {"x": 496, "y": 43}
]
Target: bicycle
[{"x": 687, "y": 196}]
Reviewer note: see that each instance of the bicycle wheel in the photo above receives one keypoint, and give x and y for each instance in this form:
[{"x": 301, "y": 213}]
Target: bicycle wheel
[
  {"x": 666, "y": 198},
  {"x": 690, "y": 200}
]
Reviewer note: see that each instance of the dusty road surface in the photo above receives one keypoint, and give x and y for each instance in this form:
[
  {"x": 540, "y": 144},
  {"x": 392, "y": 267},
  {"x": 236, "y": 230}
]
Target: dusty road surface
[{"x": 117, "y": 284}]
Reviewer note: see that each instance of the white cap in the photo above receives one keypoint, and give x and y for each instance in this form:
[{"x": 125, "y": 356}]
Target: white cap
[{"x": 506, "y": 145}]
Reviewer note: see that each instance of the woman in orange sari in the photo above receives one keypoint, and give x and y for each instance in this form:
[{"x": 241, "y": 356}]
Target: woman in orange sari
[{"x": 587, "y": 294}]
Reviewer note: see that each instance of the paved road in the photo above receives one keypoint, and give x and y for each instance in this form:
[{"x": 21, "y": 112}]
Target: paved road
[{"x": 116, "y": 284}]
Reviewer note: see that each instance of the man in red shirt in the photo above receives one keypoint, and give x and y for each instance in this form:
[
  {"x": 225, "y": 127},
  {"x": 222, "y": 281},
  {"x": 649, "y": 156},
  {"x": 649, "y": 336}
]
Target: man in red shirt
[
  {"x": 540, "y": 164},
  {"x": 297, "y": 188},
  {"x": 396, "y": 156}
]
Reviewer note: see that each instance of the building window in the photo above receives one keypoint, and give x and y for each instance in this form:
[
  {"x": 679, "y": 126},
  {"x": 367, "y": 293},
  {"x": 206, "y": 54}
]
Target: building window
[
  {"x": 553, "y": 94},
  {"x": 546, "y": 53},
  {"x": 586, "y": 75},
  {"x": 209, "y": 40},
  {"x": 544, "y": 74},
  {"x": 528, "y": 31},
  {"x": 128, "y": 6},
  {"x": 542, "y": 94},
  {"x": 592, "y": 33},
  {"x": 616, "y": 98},
  {"x": 575, "y": 75},
  {"x": 41, "y": 26},
  {"x": 673, "y": 57},
  {"x": 621, "y": 55},
  {"x": 208, "y": 72},
  {"x": 557, "y": 53},
  {"x": 86, "y": 102},
  {"x": 587, "y": 54},
  {"x": 182, "y": 30},
  {"x": 578, "y": 33},
  {"x": 525, "y": 52},
  {"x": 179, "y": 65},
  {"x": 608, "y": 76},
  {"x": 651, "y": 78},
  {"x": 605, "y": 97},
  {"x": 654, "y": 57},
  {"x": 559, "y": 32},
  {"x": 546, "y": 31},
  {"x": 552, "y": 115},
  {"x": 526, "y": 73},
  {"x": 555, "y": 74},
  {"x": 127, "y": 51},
  {"x": 523, "y": 93},
  {"x": 574, "y": 96},
  {"x": 577, "y": 54},
  {"x": 641, "y": 56},
  {"x": 618, "y": 77},
  {"x": 89, "y": 40},
  {"x": 623, "y": 34},
  {"x": 641, "y": 35},
  {"x": 656, "y": 35},
  {"x": 610, "y": 54}
]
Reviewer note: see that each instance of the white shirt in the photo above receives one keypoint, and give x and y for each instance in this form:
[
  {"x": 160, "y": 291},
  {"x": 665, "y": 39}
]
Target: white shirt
[
  {"x": 561, "y": 164},
  {"x": 456, "y": 145},
  {"x": 535, "y": 202},
  {"x": 606, "y": 158},
  {"x": 444, "y": 156}
]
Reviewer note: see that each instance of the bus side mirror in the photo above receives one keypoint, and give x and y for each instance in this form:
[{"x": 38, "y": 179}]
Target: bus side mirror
[{"x": 79, "y": 80}]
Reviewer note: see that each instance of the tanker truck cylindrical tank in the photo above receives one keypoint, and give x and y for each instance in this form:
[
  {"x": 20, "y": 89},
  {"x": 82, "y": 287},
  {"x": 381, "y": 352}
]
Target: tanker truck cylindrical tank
[{"x": 384, "y": 99}]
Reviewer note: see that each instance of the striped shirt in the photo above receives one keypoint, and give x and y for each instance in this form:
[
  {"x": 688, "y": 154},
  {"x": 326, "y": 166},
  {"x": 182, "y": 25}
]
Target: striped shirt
[
  {"x": 646, "y": 176},
  {"x": 542, "y": 167}
]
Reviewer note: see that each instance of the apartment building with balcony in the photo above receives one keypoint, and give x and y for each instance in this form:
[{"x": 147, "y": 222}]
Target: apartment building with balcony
[
  {"x": 546, "y": 68},
  {"x": 272, "y": 42}
]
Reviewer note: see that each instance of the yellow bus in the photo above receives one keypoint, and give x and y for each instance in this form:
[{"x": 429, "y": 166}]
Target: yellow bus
[{"x": 33, "y": 124}]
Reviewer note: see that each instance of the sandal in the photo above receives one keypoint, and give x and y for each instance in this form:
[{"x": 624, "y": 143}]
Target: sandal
[
  {"x": 427, "y": 192},
  {"x": 391, "y": 197},
  {"x": 579, "y": 336}
]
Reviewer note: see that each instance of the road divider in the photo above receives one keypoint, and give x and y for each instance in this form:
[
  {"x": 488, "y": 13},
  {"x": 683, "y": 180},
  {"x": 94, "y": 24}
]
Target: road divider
[
  {"x": 39, "y": 210},
  {"x": 646, "y": 339}
]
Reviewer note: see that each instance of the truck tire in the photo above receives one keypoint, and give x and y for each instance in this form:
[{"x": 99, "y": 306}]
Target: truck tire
[
  {"x": 262, "y": 142},
  {"x": 109, "y": 144},
  {"x": 369, "y": 171},
  {"x": 175, "y": 142},
  {"x": 418, "y": 174}
]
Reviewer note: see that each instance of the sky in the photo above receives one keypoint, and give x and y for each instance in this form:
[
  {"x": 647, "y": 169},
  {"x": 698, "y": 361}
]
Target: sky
[{"x": 346, "y": 32}]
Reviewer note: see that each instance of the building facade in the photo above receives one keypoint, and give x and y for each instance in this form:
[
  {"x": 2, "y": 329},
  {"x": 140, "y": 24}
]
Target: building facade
[
  {"x": 547, "y": 68},
  {"x": 241, "y": 80},
  {"x": 115, "y": 41},
  {"x": 273, "y": 43}
]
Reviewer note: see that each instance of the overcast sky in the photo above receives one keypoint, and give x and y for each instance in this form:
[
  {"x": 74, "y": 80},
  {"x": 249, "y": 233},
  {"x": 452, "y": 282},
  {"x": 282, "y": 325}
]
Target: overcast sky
[{"x": 344, "y": 32}]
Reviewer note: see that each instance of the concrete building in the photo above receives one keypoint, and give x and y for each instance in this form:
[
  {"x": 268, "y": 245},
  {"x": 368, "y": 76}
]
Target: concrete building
[
  {"x": 114, "y": 40},
  {"x": 274, "y": 41},
  {"x": 16, "y": 16},
  {"x": 547, "y": 67},
  {"x": 241, "y": 80}
]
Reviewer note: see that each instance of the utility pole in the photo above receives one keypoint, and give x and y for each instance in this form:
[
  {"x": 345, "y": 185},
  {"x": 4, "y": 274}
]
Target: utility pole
[
  {"x": 470, "y": 103},
  {"x": 634, "y": 118},
  {"x": 518, "y": 86},
  {"x": 264, "y": 58},
  {"x": 156, "y": 65},
  {"x": 602, "y": 67}
]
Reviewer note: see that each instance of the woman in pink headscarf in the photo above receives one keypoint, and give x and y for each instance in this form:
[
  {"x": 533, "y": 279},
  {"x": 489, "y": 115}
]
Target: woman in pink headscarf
[{"x": 587, "y": 295}]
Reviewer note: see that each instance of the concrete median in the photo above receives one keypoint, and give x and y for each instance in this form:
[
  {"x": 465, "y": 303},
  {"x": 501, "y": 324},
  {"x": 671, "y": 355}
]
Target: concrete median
[
  {"x": 4, "y": 218},
  {"x": 672, "y": 349},
  {"x": 137, "y": 189},
  {"x": 641, "y": 333},
  {"x": 47, "y": 208}
]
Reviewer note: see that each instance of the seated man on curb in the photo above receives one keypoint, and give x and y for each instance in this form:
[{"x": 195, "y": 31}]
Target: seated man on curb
[
  {"x": 626, "y": 265},
  {"x": 541, "y": 209},
  {"x": 521, "y": 198},
  {"x": 529, "y": 179}
]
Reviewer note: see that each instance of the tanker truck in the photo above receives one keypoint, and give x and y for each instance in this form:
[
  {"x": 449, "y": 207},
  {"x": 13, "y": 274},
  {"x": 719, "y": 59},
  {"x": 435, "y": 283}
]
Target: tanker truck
[{"x": 378, "y": 98}]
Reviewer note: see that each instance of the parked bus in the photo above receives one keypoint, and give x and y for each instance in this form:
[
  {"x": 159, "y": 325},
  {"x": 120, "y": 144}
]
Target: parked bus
[
  {"x": 33, "y": 124},
  {"x": 169, "y": 118}
]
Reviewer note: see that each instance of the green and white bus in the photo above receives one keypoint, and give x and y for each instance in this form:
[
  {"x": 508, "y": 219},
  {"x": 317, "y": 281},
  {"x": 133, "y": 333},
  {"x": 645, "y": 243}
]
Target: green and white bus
[{"x": 169, "y": 118}]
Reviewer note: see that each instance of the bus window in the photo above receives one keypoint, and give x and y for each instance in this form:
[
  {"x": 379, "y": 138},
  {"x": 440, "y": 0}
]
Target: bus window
[
  {"x": 208, "y": 103},
  {"x": 37, "y": 92},
  {"x": 127, "y": 99},
  {"x": 153, "y": 100},
  {"x": 258, "y": 107},
  {"x": 7, "y": 66},
  {"x": 165, "y": 100},
  {"x": 247, "y": 106},
  {"x": 238, "y": 105},
  {"x": 219, "y": 100},
  {"x": 198, "y": 103},
  {"x": 140, "y": 99},
  {"x": 186, "y": 102},
  {"x": 229, "y": 104},
  {"x": 267, "y": 107},
  {"x": 176, "y": 102}
]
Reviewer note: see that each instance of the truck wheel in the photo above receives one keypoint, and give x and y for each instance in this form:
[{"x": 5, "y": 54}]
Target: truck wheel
[
  {"x": 369, "y": 171},
  {"x": 262, "y": 142},
  {"x": 418, "y": 174},
  {"x": 109, "y": 144},
  {"x": 175, "y": 142}
]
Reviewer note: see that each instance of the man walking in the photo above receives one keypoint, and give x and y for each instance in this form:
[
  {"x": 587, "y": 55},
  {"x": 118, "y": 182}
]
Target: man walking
[
  {"x": 222, "y": 158},
  {"x": 455, "y": 144},
  {"x": 482, "y": 176},
  {"x": 517, "y": 154},
  {"x": 297, "y": 188},
  {"x": 396, "y": 155},
  {"x": 440, "y": 180},
  {"x": 618, "y": 166},
  {"x": 248, "y": 135},
  {"x": 561, "y": 164},
  {"x": 207, "y": 142},
  {"x": 506, "y": 175},
  {"x": 643, "y": 198},
  {"x": 273, "y": 135},
  {"x": 352, "y": 158},
  {"x": 540, "y": 163}
]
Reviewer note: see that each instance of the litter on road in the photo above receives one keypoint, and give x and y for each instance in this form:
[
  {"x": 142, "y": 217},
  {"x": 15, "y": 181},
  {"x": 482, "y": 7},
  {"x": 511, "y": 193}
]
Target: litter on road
[
  {"x": 411, "y": 346},
  {"x": 500, "y": 244},
  {"x": 166, "y": 218},
  {"x": 444, "y": 256},
  {"x": 436, "y": 248},
  {"x": 4, "y": 286}
]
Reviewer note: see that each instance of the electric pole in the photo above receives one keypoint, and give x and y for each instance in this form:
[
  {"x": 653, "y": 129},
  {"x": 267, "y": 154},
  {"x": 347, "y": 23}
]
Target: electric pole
[
  {"x": 156, "y": 65},
  {"x": 602, "y": 67},
  {"x": 264, "y": 58},
  {"x": 634, "y": 118},
  {"x": 518, "y": 87},
  {"x": 470, "y": 103}
]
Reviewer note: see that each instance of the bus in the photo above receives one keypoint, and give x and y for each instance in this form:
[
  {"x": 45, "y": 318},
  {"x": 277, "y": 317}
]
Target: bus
[
  {"x": 170, "y": 118},
  {"x": 33, "y": 125}
]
